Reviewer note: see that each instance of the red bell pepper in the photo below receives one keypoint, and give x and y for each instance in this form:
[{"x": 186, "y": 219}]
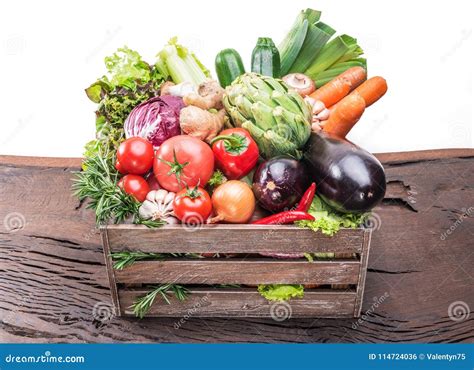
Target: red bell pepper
[{"x": 236, "y": 153}]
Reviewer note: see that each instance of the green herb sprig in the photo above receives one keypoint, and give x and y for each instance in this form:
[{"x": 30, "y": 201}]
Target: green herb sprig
[{"x": 143, "y": 304}]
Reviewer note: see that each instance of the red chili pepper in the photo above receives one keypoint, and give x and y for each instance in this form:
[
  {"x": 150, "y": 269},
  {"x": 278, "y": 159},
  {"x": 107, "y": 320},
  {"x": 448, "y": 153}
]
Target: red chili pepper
[
  {"x": 283, "y": 218},
  {"x": 235, "y": 151},
  {"x": 307, "y": 199}
]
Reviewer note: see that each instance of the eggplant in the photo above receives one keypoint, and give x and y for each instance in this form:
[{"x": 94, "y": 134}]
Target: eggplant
[
  {"x": 279, "y": 183},
  {"x": 347, "y": 177}
]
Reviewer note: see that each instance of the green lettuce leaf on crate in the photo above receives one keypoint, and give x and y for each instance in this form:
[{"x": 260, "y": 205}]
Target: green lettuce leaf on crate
[
  {"x": 281, "y": 292},
  {"x": 329, "y": 221}
]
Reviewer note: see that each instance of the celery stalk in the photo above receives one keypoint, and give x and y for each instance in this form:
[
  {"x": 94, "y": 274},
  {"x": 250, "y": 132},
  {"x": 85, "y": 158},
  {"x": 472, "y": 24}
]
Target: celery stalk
[{"x": 180, "y": 64}]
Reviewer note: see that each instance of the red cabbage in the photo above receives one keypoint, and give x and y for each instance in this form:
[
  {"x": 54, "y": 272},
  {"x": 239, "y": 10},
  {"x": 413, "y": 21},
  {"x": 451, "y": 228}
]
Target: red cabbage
[{"x": 156, "y": 119}]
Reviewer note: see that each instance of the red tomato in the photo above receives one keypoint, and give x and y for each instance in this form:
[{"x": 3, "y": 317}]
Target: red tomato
[
  {"x": 135, "y": 156},
  {"x": 134, "y": 185},
  {"x": 192, "y": 206},
  {"x": 183, "y": 161}
]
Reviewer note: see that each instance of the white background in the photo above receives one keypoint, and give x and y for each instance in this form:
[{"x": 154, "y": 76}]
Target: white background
[{"x": 50, "y": 51}]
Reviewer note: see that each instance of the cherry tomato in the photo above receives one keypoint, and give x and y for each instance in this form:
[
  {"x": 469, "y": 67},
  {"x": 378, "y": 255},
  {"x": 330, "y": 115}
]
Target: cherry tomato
[
  {"x": 236, "y": 152},
  {"x": 192, "y": 206},
  {"x": 134, "y": 156},
  {"x": 183, "y": 161},
  {"x": 134, "y": 185}
]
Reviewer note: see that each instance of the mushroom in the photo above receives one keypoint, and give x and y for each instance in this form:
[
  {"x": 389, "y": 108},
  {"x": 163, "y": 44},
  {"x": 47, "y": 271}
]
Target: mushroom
[{"x": 301, "y": 83}]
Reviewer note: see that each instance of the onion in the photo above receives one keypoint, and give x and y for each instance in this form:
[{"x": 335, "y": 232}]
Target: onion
[
  {"x": 300, "y": 82},
  {"x": 233, "y": 202}
]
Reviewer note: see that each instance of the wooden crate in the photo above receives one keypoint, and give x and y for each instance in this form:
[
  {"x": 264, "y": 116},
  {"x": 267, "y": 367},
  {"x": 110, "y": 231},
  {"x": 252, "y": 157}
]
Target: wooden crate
[{"x": 130, "y": 283}]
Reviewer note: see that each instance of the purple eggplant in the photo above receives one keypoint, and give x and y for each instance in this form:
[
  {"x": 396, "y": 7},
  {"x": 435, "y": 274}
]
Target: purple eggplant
[
  {"x": 347, "y": 177},
  {"x": 279, "y": 183}
]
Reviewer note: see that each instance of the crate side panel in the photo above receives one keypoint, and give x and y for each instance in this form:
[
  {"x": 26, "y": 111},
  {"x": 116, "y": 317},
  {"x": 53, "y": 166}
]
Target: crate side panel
[
  {"x": 247, "y": 303},
  {"x": 236, "y": 271},
  {"x": 232, "y": 239}
]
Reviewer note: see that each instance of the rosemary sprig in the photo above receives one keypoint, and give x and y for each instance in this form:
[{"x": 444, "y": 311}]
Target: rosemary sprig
[
  {"x": 142, "y": 305},
  {"x": 125, "y": 259},
  {"x": 98, "y": 182}
]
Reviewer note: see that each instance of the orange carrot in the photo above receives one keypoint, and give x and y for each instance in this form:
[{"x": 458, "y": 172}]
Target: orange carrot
[
  {"x": 372, "y": 89},
  {"x": 340, "y": 86},
  {"x": 344, "y": 115}
]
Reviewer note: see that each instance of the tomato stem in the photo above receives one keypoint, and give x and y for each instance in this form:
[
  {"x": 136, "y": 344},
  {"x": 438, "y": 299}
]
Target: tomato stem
[{"x": 176, "y": 168}]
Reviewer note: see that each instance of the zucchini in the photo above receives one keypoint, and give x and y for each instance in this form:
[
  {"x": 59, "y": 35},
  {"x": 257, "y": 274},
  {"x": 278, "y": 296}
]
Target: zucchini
[
  {"x": 266, "y": 58},
  {"x": 229, "y": 66}
]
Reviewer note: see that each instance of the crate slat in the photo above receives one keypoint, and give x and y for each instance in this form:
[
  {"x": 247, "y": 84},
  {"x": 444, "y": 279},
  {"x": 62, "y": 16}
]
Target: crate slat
[
  {"x": 245, "y": 303},
  {"x": 231, "y": 239},
  {"x": 240, "y": 271}
]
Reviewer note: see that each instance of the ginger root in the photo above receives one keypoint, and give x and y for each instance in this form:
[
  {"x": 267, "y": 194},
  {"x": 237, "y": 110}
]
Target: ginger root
[
  {"x": 209, "y": 95},
  {"x": 201, "y": 123}
]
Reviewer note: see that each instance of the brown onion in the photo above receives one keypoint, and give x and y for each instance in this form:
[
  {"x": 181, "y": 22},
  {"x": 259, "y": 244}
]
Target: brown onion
[{"x": 233, "y": 202}]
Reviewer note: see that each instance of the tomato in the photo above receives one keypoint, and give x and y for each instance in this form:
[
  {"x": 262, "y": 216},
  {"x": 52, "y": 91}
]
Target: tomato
[
  {"x": 192, "y": 206},
  {"x": 134, "y": 156},
  {"x": 236, "y": 152},
  {"x": 134, "y": 185},
  {"x": 183, "y": 161}
]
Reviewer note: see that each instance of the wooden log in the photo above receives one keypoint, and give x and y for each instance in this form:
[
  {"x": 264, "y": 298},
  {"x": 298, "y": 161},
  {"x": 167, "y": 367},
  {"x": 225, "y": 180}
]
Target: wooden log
[{"x": 52, "y": 272}]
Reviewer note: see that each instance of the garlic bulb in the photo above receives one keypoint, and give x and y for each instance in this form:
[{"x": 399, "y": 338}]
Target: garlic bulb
[{"x": 158, "y": 205}]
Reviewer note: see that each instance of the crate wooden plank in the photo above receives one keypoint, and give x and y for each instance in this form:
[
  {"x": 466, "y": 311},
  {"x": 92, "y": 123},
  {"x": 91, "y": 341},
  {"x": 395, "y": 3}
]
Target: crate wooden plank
[
  {"x": 231, "y": 239},
  {"x": 245, "y": 303},
  {"x": 240, "y": 271}
]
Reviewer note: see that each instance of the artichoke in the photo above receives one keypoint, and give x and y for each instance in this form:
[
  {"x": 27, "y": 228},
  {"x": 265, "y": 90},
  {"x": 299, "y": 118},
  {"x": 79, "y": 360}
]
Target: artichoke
[{"x": 277, "y": 117}]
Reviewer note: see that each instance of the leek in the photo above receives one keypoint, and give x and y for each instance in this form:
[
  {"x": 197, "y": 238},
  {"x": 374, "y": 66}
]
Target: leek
[
  {"x": 316, "y": 37},
  {"x": 331, "y": 52}
]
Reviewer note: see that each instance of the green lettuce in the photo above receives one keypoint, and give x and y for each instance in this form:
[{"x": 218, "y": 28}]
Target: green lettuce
[
  {"x": 328, "y": 220},
  {"x": 128, "y": 82},
  {"x": 279, "y": 292}
]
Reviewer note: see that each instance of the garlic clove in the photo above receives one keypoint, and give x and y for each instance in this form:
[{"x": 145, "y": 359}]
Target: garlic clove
[
  {"x": 147, "y": 209},
  {"x": 323, "y": 115},
  {"x": 151, "y": 196},
  {"x": 160, "y": 195},
  {"x": 318, "y": 107}
]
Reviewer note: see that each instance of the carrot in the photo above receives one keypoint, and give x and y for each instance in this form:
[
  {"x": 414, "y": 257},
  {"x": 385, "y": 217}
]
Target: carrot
[
  {"x": 340, "y": 86},
  {"x": 344, "y": 115},
  {"x": 372, "y": 89}
]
